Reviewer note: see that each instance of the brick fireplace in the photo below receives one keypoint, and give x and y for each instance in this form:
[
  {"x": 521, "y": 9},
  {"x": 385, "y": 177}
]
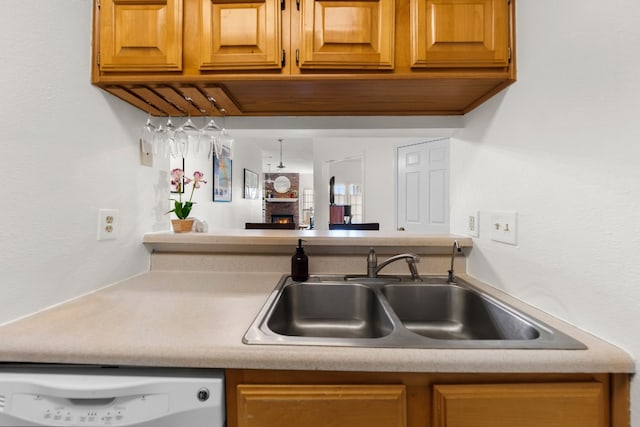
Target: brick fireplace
[{"x": 283, "y": 209}]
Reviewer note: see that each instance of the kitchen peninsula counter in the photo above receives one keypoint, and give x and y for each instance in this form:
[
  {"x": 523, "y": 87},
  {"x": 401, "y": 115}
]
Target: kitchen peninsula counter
[{"x": 316, "y": 241}]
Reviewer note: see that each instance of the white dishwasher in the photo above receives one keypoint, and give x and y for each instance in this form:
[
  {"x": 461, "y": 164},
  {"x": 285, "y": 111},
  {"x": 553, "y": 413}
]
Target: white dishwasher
[{"x": 111, "y": 396}]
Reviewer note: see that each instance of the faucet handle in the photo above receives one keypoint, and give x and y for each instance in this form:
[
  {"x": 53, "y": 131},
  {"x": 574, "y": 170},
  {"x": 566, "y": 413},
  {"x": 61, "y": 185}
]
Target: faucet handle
[
  {"x": 413, "y": 269},
  {"x": 372, "y": 263}
]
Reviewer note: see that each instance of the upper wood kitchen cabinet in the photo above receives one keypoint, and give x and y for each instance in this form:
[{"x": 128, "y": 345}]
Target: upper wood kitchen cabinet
[
  {"x": 304, "y": 57},
  {"x": 140, "y": 35},
  {"x": 355, "y": 34},
  {"x": 459, "y": 33},
  {"x": 240, "y": 35}
]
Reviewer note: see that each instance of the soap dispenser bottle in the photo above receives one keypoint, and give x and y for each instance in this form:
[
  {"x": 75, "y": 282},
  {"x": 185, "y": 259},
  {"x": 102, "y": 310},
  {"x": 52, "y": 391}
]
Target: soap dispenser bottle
[{"x": 299, "y": 264}]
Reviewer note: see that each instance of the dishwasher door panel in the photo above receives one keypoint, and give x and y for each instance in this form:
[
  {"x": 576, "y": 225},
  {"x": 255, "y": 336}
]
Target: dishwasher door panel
[{"x": 112, "y": 397}]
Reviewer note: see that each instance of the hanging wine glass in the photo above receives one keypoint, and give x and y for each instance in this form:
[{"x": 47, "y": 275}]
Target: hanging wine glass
[
  {"x": 159, "y": 141},
  {"x": 187, "y": 134},
  {"x": 226, "y": 140},
  {"x": 148, "y": 133},
  {"x": 269, "y": 180},
  {"x": 164, "y": 141},
  {"x": 210, "y": 135}
]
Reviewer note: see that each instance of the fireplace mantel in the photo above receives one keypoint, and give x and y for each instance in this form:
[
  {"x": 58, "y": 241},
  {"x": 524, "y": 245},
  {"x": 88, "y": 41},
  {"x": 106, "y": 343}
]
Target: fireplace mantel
[{"x": 281, "y": 199}]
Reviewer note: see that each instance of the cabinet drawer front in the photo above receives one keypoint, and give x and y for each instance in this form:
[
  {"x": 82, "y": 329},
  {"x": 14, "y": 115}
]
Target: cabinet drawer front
[
  {"x": 141, "y": 35},
  {"x": 238, "y": 35},
  {"x": 347, "y": 34},
  {"x": 459, "y": 33},
  {"x": 521, "y": 405},
  {"x": 321, "y": 405}
]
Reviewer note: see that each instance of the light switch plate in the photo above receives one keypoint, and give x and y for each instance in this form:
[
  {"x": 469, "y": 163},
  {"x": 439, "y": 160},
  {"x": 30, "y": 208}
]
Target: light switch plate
[
  {"x": 146, "y": 154},
  {"x": 504, "y": 227}
]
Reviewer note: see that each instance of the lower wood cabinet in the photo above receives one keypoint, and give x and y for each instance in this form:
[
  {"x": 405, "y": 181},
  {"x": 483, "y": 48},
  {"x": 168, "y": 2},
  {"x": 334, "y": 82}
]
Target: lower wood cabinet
[
  {"x": 265, "y": 398},
  {"x": 321, "y": 405},
  {"x": 521, "y": 405}
]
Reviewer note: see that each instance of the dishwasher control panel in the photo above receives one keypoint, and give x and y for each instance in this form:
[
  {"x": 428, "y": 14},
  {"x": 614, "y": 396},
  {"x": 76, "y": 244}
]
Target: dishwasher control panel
[
  {"x": 88, "y": 411},
  {"x": 78, "y": 396}
]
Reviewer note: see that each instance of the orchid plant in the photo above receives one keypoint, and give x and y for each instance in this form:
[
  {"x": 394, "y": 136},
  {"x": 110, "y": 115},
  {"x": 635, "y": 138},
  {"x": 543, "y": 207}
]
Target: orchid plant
[{"x": 178, "y": 180}]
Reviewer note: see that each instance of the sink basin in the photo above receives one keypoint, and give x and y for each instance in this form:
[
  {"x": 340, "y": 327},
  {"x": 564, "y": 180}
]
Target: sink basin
[
  {"x": 329, "y": 310},
  {"x": 449, "y": 312},
  {"x": 396, "y": 313}
]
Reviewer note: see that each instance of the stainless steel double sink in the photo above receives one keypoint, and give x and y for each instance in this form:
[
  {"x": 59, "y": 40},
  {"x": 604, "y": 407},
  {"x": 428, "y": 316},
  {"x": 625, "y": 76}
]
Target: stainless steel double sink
[{"x": 396, "y": 312}]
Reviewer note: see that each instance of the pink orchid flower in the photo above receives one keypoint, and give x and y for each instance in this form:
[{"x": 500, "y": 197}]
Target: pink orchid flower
[
  {"x": 181, "y": 209},
  {"x": 197, "y": 179}
]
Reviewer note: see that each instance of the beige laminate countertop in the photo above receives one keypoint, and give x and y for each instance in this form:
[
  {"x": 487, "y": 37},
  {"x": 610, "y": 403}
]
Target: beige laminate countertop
[
  {"x": 317, "y": 241},
  {"x": 197, "y": 319}
]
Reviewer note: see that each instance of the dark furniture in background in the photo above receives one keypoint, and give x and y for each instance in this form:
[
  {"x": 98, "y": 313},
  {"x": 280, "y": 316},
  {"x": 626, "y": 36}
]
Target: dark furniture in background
[
  {"x": 361, "y": 226},
  {"x": 269, "y": 225}
]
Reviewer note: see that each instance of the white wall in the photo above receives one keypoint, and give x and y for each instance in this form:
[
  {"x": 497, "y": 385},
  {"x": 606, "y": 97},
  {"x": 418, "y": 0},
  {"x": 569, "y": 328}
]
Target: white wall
[
  {"x": 561, "y": 147},
  {"x": 67, "y": 149},
  {"x": 379, "y": 175},
  {"x": 225, "y": 215}
]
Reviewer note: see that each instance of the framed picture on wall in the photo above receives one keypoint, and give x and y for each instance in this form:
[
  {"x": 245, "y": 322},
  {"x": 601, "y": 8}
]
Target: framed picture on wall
[
  {"x": 222, "y": 176},
  {"x": 250, "y": 184}
]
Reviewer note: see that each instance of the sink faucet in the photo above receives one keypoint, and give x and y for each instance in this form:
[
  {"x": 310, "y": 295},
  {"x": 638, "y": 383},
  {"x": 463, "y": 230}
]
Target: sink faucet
[
  {"x": 373, "y": 268},
  {"x": 456, "y": 248}
]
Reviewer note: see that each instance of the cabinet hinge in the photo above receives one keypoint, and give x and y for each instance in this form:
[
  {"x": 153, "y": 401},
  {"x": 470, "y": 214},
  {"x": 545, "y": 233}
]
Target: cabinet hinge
[
  {"x": 509, "y": 54},
  {"x": 298, "y": 4},
  {"x": 98, "y": 58},
  {"x": 297, "y": 56},
  {"x": 282, "y": 4},
  {"x": 98, "y": 3},
  {"x": 283, "y": 59}
]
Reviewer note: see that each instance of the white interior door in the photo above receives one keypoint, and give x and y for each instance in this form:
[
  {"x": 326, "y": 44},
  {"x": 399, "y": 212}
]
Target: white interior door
[{"x": 423, "y": 187}]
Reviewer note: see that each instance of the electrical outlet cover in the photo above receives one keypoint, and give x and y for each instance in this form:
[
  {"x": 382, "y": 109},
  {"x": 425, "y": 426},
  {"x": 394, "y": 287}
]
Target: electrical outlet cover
[
  {"x": 472, "y": 224},
  {"x": 107, "y": 224},
  {"x": 504, "y": 227}
]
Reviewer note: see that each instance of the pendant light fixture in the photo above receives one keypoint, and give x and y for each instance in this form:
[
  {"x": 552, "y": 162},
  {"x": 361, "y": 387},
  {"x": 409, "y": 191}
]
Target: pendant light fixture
[{"x": 281, "y": 166}]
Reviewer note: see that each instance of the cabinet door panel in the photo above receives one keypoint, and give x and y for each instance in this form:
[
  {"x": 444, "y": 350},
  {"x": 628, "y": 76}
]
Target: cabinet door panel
[
  {"x": 347, "y": 34},
  {"x": 237, "y": 35},
  {"x": 520, "y": 405},
  {"x": 321, "y": 405},
  {"x": 141, "y": 35},
  {"x": 459, "y": 33}
]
